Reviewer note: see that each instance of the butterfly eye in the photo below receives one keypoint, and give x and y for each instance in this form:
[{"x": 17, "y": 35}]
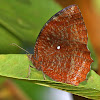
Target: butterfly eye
[{"x": 58, "y": 47}]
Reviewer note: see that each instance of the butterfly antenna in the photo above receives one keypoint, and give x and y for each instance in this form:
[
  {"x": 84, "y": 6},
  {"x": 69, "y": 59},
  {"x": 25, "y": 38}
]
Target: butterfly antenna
[{"x": 14, "y": 44}]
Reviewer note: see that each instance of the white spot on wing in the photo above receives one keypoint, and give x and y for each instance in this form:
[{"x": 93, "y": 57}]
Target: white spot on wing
[{"x": 58, "y": 47}]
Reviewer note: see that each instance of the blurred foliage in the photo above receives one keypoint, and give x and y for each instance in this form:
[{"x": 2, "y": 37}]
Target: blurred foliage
[
  {"x": 2, "y": 79},
  {"x": 34, "y": 91},
  {"x": 94, "y": 65},
  {"x": 21, "y": 22},
  {"x": 96, "y": 4}
]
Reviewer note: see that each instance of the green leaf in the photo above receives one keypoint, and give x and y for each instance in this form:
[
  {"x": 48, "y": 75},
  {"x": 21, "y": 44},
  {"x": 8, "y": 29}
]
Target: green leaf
[
  {"x": 22, "y": 20},
  {"x": 94, "y": 65},
  {"x": 2, "y": 79},
  {"x": 17, "y": 65}
]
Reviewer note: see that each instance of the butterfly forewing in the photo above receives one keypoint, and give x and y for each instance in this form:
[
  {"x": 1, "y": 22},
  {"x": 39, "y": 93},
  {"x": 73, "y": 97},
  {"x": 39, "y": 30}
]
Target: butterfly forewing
[{"x": 61, "y": 48}]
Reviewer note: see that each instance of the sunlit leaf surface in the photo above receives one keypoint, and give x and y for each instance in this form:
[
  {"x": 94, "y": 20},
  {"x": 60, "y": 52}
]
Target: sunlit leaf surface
[{"x": 17, "y": 66}]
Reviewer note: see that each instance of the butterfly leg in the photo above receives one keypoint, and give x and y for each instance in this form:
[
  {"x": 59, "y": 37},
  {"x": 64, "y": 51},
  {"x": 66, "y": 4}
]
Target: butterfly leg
[
  {"x": 29, "y": 70},
  {"x": 43, "y": 74}
]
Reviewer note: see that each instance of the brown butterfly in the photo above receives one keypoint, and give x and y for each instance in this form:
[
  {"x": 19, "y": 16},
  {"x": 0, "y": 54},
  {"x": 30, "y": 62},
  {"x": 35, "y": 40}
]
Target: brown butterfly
[{"x": 61, "y": 49}]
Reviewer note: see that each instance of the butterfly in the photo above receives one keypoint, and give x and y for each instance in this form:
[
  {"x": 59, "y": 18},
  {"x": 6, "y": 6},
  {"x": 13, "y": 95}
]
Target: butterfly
[{"x": 61, "y": 50}]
